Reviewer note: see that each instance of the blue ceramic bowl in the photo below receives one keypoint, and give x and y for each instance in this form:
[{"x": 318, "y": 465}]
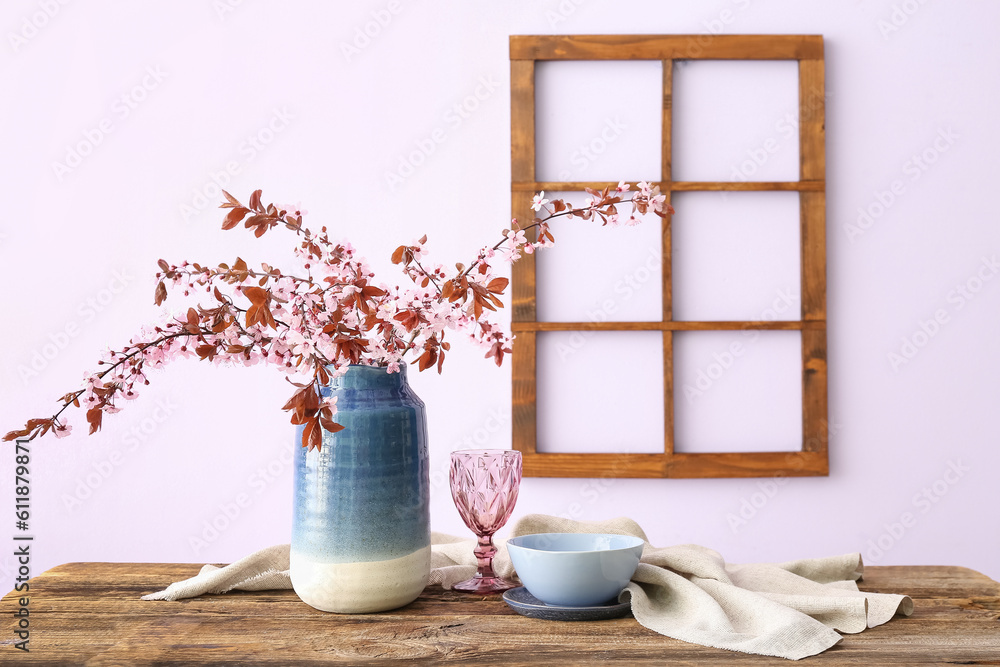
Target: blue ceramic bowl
[{"x": 575, "y": 569}]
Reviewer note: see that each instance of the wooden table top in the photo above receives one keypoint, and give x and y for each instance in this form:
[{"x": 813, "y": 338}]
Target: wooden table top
[{"x": 90, "y": 613}]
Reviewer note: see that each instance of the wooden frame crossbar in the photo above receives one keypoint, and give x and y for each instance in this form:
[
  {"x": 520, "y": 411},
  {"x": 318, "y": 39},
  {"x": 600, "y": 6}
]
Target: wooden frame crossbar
[{"x": 807, "y": 50}]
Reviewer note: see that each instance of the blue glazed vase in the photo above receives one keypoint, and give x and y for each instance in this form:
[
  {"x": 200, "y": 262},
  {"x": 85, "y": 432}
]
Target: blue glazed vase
[{"x": 361, "y": 527}]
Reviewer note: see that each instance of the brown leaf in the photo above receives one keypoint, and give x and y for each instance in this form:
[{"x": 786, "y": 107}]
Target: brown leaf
[
  {"x": 234, "y": 217},
  {"x": 161, "y": 293},
  {"x": 307, "y": 432},
  {"x": 193, "y": 323},
  {"x": 316, "y": 438},
  {"x": 257, "y": 295},
  {"x": 71, "y": 397},
  {"x": 206, "y": 351},
  {"x": 498, "y": 285},
  {"x": 255, "y": 200},
  {"x": 330, "y": 425},
  {"x": 397, "y": 255},
  {"x": 94, "y": 417}
]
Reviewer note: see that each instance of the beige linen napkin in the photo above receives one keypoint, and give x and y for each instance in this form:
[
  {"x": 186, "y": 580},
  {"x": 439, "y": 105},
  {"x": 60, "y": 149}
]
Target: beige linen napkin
[{"x": 789, "y": 610}]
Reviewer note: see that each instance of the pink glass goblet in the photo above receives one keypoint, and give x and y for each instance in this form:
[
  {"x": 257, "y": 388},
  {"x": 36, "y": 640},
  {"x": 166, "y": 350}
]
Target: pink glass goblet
[{"x": 484, "y": 486}]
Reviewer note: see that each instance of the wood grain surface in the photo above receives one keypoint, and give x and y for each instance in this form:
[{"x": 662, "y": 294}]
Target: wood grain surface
[{"x": 91, "y": 614}]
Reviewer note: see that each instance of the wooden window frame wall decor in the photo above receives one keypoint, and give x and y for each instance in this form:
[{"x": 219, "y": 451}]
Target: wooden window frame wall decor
[{"x": 807, "y": 50}]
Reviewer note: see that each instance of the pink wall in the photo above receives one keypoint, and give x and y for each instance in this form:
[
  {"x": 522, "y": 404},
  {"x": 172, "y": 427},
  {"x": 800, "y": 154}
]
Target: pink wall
[{"x": 282, "y": 97}]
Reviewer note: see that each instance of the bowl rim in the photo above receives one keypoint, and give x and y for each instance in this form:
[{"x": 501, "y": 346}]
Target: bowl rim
[{"x": 638, "y": 542}]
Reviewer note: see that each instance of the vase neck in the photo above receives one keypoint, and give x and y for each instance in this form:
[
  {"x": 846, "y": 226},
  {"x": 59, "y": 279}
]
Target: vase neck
[{"x": 370, "y": 377}]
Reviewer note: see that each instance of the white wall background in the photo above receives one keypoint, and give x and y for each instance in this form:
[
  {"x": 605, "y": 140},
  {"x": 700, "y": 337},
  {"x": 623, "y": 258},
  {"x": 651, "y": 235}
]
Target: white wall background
[{"x": 205, "y": 445}]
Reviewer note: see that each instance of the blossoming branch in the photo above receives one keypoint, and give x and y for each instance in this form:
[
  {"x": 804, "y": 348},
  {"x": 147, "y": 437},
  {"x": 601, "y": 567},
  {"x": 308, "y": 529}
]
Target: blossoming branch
[{"x": 315, "y": 323}]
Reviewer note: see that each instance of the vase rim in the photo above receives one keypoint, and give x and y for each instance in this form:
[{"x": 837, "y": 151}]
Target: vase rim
[{"x": 402, "y": 368}]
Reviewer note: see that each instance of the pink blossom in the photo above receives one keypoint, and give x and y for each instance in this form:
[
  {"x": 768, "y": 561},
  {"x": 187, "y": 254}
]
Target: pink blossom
[
  {"x": 62, "y": 430},
  {"x": 328, "y": 315},
  {"x": 538, "y": 201},
  {"x": 294, "y": 209},
  {"x": 509, "y": 252},
  {"x": 658, "y": 202}
]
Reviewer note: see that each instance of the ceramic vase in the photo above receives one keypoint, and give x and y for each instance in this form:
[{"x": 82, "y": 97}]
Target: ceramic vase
[{"x": 361, "y": 527}]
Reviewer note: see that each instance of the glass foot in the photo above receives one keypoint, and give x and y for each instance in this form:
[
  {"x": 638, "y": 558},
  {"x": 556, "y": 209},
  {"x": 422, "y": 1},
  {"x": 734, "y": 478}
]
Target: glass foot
[{"x": 485, "y": 585}]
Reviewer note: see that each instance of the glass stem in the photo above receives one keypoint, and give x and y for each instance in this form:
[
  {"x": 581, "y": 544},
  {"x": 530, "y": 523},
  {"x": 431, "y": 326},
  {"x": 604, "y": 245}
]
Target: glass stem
[{"x": 484, "y": 557}]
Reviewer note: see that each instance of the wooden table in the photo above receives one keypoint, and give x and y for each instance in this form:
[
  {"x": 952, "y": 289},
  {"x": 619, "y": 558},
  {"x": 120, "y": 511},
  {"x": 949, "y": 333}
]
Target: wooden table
[{"x": 91, "y": 614}]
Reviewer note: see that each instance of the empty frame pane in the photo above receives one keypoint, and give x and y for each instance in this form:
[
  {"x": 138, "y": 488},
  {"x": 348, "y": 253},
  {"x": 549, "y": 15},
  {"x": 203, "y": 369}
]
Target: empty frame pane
[
  {"x": 600, "y": 391},
  {"x": 598, "y": 120},
  {"x": 600, "y": 274},
  {"x": 737, "y": 391},
  {"x": 736, "y": 256},
  {"x": 736, "y": 120}
]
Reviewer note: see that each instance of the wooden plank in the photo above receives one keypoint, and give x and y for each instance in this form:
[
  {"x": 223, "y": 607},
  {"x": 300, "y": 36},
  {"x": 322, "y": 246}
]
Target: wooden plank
[
  {"x": 805, "y": 185},
  {"x": 666, "y": 174},
  {"x": 90, "y": 613},
  {"x": 812, "y": 158},
  {"x": 668, "y": 394},
  {"x": 664, "y": 47},
  {"x": 677, "y": 464},
  {"x": 522, "y": 290},
  {"x": 522, "y": 120},
  {"x": 666, "y": 255},
  {"x": 812, "y": 165},
  {"x": 666, "y": 121},
  {"x": 747, "y": 464},
  {"x": 812, "y": 119},
  {"x": 808, "y": 185},
  {"x": 522, "y": 166},
  {"x": 594, "y": 465},
  {"x": 815, "y": 427},
  {"x": 524, "y": 416},
  {"x": 673, "y": 325},
  {"x": 812, "y": 229}
]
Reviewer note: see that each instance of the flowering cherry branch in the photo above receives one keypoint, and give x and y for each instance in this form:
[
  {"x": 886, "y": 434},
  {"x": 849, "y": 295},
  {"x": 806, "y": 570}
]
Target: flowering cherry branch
[{"x": 334, "y": 316}]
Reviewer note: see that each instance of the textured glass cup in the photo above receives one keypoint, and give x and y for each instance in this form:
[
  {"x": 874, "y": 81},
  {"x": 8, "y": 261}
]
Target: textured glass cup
[{"x": 484, "y": 486}]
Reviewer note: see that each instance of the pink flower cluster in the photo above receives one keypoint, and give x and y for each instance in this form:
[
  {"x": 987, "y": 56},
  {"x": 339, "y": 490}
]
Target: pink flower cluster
[{"x": 317, "y": 323}]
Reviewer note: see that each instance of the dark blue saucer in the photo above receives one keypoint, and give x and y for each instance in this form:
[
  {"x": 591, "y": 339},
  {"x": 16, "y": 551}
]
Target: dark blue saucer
[{"x": 526, "y": 604}]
